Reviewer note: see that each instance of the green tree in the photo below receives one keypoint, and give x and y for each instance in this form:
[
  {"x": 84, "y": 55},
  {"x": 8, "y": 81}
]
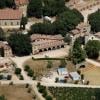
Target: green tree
[
  {"x": 26, "y": 67},
  {"x": 6, "y": 3},
  {"x": 17, "y": 71},
  {"x": 20, "y": 44},
  {"x": 78, "y": 54},
  {"x": 42, "y": 28},
  {"x": 23, "y": 22},
  {"x": 92, "y": 49},
  {"x": 53, "y": 7},
  {"x": 63, "y": 63},
  {"x": 49, "y": 64},
  {"x": 34, "y": 8},
  {"x": 48, "y": 97},
  {"x": 2, "y": 3},
  {"x": 94, "y": 21},
  {"x": 67, "y": 20},
  {"x": 30, "y": 72}
]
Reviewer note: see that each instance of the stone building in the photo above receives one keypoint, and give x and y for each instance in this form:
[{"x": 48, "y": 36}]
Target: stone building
[
  {"x": 82, "y": 30},
  {"x": 5, "y": 49},
  {"x": 10, "y": 17},
  {"x": 95, "y": 36},
  {"x": 42, "y": 43}
]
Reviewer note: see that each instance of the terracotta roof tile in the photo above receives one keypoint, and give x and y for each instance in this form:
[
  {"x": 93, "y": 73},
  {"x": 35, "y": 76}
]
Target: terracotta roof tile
[{"x": 6, "y": 14}]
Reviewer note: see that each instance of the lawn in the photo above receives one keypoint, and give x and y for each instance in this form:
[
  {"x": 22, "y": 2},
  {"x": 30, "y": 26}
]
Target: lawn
[
  {"x": 15, "y": 92},
  {"x": 91, "y": 73}
]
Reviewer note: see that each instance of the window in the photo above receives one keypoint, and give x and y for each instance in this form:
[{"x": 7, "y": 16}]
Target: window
[
  {"x": 17, "y": 23},
  {"x": 5, "y": 23},
  {"x": 11, "y": 23}
]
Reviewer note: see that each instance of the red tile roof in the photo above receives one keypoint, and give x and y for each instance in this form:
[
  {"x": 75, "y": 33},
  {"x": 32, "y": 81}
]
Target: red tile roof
[
  {"x": 7, "y": 14},
  {"x": 21, "y": 2}
]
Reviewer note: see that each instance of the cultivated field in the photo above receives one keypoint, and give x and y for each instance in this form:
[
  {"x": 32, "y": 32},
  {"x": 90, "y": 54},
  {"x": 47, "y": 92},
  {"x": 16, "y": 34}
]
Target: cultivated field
[
  {"x": 72, "y": 93},
  {"x": 15, "y": 92}
]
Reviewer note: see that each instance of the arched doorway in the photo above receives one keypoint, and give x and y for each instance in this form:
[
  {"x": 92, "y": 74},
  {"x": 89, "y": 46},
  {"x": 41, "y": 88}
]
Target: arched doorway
[
  {"x": 45, "y": 49},
  {"x": 40, "y": 50},
  {"x": 53, "y": 48},
  {"x": 49, "y": 48},
  {"x": 58, "y": 47},
  {"x": 62, "y": 46}
]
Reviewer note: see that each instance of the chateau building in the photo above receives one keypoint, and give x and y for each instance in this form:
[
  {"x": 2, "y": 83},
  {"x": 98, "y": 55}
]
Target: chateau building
[
  {"x": 42, "y": 43},
  {"x": 10, "y": 17}
]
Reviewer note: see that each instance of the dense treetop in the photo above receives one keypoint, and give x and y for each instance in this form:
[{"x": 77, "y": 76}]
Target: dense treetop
[
  {"x": 6, "y": 3},
  {"x": 94, "y": 20},
  {"x": 20, "y": 44},
  {"x": 78, "y": 53},
  {"x": 65, "y": 22},
  {"x": 92, "y": 49},
  {"x": 38, "y": 8}
]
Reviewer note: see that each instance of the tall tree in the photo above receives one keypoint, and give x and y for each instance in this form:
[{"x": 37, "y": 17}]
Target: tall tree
[
  {"x": 34, "y": 8},
  {"x": 94, "y": 21},
  {"x": 78, "y": 54},
  {"x": 23, "y": 22}
]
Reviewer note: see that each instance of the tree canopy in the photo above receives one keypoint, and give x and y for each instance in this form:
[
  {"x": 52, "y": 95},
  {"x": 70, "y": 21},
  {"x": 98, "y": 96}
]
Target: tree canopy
[
  {"x": 20, "y": 44},
  {"x": 23, "y": 22},
  {"x": 6, "y": 3},
  {"x": 92, "y": 49},
  {"x": 39, "y": 8},
  {"x": 94, "y": 20},
  {"x": 34, "y": 8},
  {"x": 78, "y": 54},
  {"x": 65, "y": 22}
]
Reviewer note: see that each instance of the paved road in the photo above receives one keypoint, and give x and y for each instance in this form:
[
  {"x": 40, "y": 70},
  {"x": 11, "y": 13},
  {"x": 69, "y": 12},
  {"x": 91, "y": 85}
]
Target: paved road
[{"x": 34, "y": 83}]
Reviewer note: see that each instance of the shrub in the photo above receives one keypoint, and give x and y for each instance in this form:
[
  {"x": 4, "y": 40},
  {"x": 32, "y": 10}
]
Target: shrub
[
  {"x": 9, "y": 77},
  {"x": 27, "y": 85},
  {"x": 57, "y": 79},
  {"x": 1, "y": 77},
  {"x": 34, "y": 78},
  {"x": 30, "y": 72},
  {"x": 11, "y": 83},
  {"x": 26, "y": 67},
  {"x": 21, "y": 77},
  {"x": 17, "y": 71},
  {"x": 44, "y": 93},
  {"x": 48, "y": 97},
  {"x": 38, "y": 84}
]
